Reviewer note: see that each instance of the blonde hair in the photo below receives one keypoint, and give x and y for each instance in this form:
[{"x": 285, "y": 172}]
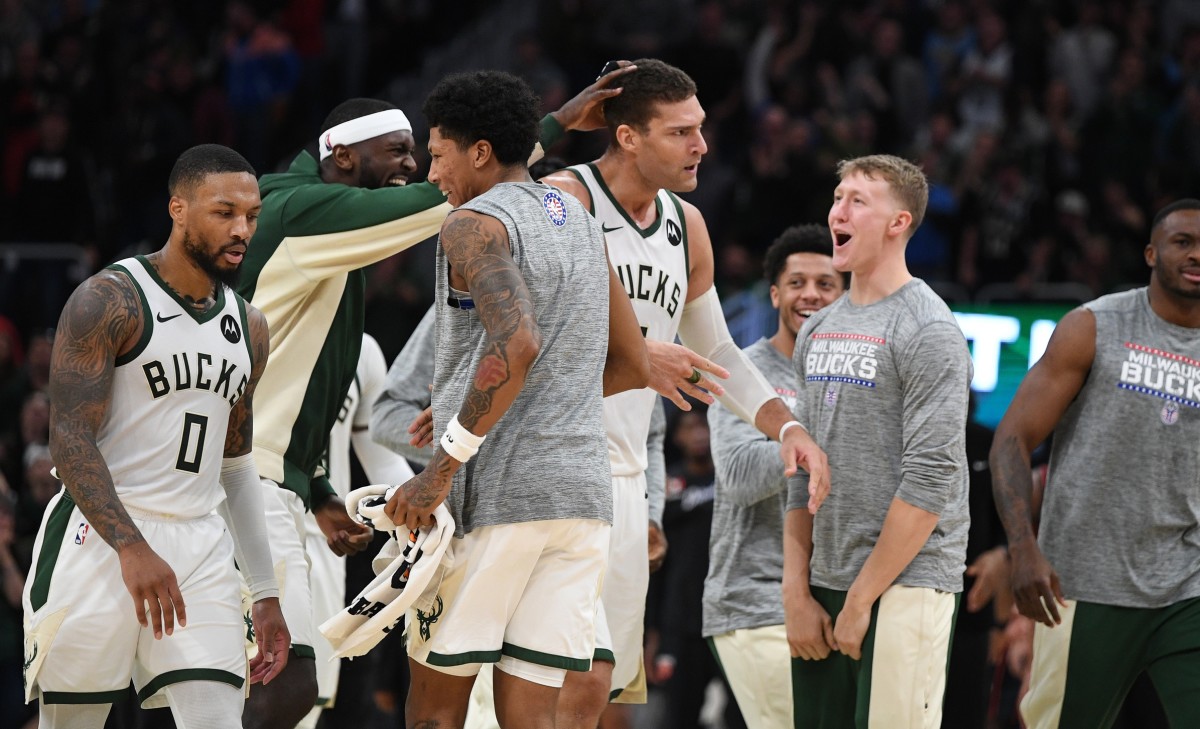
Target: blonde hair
[{"x": 905, "y": 180}]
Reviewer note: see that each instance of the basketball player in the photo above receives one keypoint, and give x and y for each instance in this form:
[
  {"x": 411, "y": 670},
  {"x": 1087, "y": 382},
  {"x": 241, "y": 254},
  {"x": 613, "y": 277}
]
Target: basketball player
[
  {"x": 871, "y": 583},
  {"x": 743, "y": 613},
  {"x": 523, "y": 363},
  {"x": 660, "y": 248},
  {"x": 322, "y": 223},
  {"x": 154, "y": 367},
  {"x": 380, "y": 466},
  {"x": 1115, "y": 584}
]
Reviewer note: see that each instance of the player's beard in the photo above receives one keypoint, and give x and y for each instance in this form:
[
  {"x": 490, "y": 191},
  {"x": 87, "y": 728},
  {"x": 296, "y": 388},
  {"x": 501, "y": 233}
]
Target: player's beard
[{"x": 209, "y": 263}]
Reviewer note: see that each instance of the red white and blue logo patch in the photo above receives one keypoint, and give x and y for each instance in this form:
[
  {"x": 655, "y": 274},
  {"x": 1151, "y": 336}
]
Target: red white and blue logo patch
[
  {"x": 555, "y": 208},
  {"x": 81, "y": 532},
  {"x": 1169, "y": 414}
]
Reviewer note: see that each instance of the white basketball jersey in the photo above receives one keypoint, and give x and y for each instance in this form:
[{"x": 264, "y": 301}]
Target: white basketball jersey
[
  {"x": 163, "y": 437},
  {"x": 652, "y": 264}
]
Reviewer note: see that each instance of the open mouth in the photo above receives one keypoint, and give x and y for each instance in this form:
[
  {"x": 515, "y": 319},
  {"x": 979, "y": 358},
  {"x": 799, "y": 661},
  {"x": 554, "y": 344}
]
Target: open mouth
[
  {"x": 841, "y": 239},
  {"x": 234, "y": 255},
  {"x": 805, "y": 313},
  {"x": 397, "y": 181}
]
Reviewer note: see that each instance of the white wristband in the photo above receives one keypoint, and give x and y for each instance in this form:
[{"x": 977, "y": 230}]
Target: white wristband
[
  {"x": 789, "y": 424},
  {"x": 460, "y": 443}
]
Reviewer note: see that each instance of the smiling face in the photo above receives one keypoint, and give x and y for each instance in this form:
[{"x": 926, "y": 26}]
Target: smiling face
[
  {"x": 218, "y": 218},
  {"x": 452, "y": 168},
  {"x": 807, "y": 284},
  {"x": 1174, "y": 254},
  {"x": 864, "y": 215},
  {"x": 386, "y": 160},
  {"x": 670, "y": 147}
]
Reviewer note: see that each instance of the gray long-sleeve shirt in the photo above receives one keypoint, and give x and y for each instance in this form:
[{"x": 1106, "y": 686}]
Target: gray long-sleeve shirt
[
  {"x": 406, "y": 393},
  {"x": 745, "y": 553},
  {"x": 883, "y": 390}
]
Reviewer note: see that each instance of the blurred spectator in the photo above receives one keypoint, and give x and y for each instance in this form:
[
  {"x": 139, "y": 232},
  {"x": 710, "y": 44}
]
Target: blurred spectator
[
  {"x": 684, "y": 665},
  {"x": 986, "y": 72},
  {"x": 1124, "y": 126},
  {"x": 710, "y": 57},
  {"x": 12, "y": 582},
  {"x": 261, "y": 70},
  {"x": 889, "y": 85},
  {"x": 545, "y": 78},
  {"x": 946, "y": 47},
  {"x": 1082, "y": 55}
]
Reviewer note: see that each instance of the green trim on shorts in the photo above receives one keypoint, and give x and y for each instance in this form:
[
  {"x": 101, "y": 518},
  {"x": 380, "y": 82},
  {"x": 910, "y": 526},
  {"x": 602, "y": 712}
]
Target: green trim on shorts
[
  {"x": 83, "y": 697},
  {"x": 304, "y": 651},
  {"x": 52, "y": 539},
  {"x": 323, "y": 701},
  {"x": 712, "y": 646},
  {"x": 604, "y": 654},
  {"x": 546, "y": 659},
  {"x": 189, "y": 674},
  {"x": 612, "y": 695},
  {"x": 461, "y": 659}
]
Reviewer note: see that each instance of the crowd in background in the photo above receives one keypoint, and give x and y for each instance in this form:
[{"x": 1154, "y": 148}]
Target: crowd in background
[{"x": 1049, "y": 130}]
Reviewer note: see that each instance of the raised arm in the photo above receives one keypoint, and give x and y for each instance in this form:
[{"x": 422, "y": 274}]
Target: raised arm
[
  {"x": 1044, "y": 395},
  {"x": 477, "y": 249},
  {"x": 243, "y": 512},
  {"x": 100, "y": 321}
]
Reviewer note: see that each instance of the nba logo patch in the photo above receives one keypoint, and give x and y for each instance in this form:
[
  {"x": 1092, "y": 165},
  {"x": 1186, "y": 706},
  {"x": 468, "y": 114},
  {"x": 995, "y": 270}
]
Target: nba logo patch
[
  {"x": 1169, "y": 414},
  {"x": 831, "y": 396},
  {"x": 556, "y": 210},
  {"x": 81, "y": 532}
]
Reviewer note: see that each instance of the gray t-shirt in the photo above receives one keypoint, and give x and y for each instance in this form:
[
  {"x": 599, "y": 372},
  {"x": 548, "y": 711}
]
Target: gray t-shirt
[
  {"x": 406, "y": 393},
  {"x": 547, "y": 457},
  {"x": 745, "y": 550},
  {"x": 1121, "y": 516},
  {"x": 883, "y": 389}
]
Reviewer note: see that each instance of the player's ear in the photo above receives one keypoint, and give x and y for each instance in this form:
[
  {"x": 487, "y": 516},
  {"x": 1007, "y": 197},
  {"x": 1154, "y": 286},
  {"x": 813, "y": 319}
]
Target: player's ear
[
  {"x": 481, "y": 152},
  {"x": 627, "y": 137},
  {"x": 177, "y": 208}
]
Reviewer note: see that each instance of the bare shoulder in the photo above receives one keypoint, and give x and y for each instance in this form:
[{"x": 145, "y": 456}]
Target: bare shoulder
[
  {"x": 566, "y": 181},
  {"x": 104, "y": 311},
  {"x": 1072, "y": 346},
  {"x": 467, "y": 234}
]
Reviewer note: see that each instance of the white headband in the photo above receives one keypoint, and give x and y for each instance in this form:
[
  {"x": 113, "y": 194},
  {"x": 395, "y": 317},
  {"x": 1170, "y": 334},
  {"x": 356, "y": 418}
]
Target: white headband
[{"x": 362, "y": 128}]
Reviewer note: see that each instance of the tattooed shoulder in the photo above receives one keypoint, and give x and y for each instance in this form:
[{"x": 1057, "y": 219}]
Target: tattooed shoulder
[{"x": 103, "y": 315}]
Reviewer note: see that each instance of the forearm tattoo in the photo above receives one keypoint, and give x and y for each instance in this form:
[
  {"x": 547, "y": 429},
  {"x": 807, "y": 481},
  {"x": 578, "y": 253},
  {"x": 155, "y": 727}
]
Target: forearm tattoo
[
  {"x": 1012, "y": 488},
  {"x": 503, "y": 303},
  {"x": 98, "y": 318},
  {"x": 240, "y": 437}
]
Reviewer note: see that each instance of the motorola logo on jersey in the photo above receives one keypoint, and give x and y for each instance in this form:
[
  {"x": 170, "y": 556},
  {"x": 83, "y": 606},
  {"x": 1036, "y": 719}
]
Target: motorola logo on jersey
[
  {"x": 644, "y": 282},
  {"x": 230, "y": 329},
  {"x": 674, "y": 233}
]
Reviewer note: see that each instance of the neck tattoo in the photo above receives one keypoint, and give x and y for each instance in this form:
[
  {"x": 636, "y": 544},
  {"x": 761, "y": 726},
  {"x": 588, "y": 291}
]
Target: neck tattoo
[{"x": 199, "y": 305}]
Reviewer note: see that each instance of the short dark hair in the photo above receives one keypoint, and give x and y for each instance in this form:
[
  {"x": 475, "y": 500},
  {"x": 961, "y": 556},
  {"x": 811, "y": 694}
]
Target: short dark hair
[
  {"x": 491, "y": 105},
  {"x": 810, "y": 238},
  {"x": 353, "y": 109},
  {"x": 201, "y": 161},
  {"x": 654, "y": 82},
  {"x": 1187, "y": 203}
]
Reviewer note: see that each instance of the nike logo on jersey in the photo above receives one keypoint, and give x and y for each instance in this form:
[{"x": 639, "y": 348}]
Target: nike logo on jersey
[
  {"x": 162, "y": 318},
  {"x": 607, "y": 229}
]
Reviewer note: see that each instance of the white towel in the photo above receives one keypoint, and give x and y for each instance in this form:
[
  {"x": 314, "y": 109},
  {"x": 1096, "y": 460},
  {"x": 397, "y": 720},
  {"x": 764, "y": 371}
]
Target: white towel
[{"x": 405, "y": 577}]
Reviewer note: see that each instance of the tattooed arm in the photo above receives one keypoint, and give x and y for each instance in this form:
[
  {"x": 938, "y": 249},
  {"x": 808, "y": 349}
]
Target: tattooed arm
[
  {"x": 1039, "y": 404},
  {"x": 101, "y": 320},
  {"x": 477, "y": 249}
]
